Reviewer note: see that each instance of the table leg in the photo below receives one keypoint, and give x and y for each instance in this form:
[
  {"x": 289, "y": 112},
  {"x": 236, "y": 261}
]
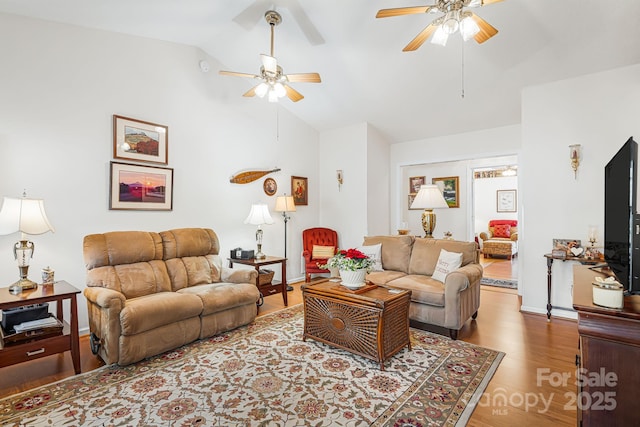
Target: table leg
[
  {"x": 549, "y": 307},
  {"x": 75, "y": 340},
  {"x": 284, "y": 282}
]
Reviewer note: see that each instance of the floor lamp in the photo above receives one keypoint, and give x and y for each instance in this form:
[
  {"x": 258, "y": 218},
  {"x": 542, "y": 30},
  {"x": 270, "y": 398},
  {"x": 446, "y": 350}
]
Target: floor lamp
[
  {"x": 285, "y": 204},
  {"x": 429, "y": 198}
]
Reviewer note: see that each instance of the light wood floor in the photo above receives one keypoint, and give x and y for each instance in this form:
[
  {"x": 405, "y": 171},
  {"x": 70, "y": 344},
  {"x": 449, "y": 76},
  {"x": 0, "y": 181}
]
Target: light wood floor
[{"x": 529, "y": 341}]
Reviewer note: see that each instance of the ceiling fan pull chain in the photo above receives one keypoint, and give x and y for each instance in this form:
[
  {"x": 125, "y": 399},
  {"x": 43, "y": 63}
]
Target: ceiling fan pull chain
[{"x": 462, "y": 71}]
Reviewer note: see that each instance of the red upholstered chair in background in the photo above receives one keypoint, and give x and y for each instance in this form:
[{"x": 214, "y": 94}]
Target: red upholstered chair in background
[
  {"x": 323, "y": 239},
  {"x": 501, "y": 239}
]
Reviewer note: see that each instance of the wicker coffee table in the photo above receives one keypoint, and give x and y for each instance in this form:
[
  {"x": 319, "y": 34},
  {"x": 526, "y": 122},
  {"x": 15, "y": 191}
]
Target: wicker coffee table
[{"x": 372, "y": 322}]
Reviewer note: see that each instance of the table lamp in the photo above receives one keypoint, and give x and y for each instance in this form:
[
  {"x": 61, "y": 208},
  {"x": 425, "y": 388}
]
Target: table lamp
[
  {"x": 259, "y": 215},
  {"x": 429, "y": 198},
  {"x": 285, "y": 204},
  {"x": 28, "y": 217}
]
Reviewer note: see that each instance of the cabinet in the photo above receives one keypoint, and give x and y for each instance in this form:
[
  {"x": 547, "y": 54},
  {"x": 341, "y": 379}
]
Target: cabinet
[
  {"x": 19, "y": 352},
  {"x": 609, "y": 357},
  {"x": 273, "y": 287}
]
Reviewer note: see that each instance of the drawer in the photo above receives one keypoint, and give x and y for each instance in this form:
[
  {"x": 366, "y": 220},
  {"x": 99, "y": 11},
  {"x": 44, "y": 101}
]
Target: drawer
[
  {"x": 270, "y": 289},
  {"x": 17, "y": 353}
]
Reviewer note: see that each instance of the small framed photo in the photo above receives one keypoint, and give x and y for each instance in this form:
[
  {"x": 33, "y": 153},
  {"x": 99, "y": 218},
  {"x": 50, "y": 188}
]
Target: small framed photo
[
  {"x": 139, "y": 141},
  {"x": 415, "y": 182},
  {"x": 506, "y": 201},
  {"x": 270, "y": 186},
  {"x": 450, "y": 189},
  {"x": 136, "y": 187},
  {"x": 299, "y": 190}
]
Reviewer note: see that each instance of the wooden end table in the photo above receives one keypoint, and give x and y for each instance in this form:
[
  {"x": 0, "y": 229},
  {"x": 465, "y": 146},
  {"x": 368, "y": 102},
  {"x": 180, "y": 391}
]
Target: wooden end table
[
  {"x": 269, "y": 288},
  {"x": 372, "y": 322},
  {"x": 19, "y": 352}
]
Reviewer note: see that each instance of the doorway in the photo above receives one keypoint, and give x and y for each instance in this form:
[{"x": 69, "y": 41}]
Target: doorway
[{"x": 495, "y": 220}]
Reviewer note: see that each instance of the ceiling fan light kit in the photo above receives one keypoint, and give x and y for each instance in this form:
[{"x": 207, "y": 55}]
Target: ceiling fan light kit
[
  {"x": 273, "y": 82},
  {"x": 454, "y": 19}
]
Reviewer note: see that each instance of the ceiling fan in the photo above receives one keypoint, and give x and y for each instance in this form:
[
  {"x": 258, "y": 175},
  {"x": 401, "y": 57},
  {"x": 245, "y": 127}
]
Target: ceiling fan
[
  {"x": 454, "y": 18},
  {"x": 273, "y": 82}
]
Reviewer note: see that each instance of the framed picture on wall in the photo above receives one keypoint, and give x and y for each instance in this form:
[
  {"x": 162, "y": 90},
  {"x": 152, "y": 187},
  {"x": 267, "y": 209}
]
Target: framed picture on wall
[
  {"x": 450, "y": 188},
  {"x": 415, "y": 182},
  {"x": 299, "y": 190},
  {"x": 136, "y": 187},
  {"x": 412, "y": 197},
  {"x": 270, "y": 186},
  {"x": 139, "y": 141},
  {"x": 506, "y": 201}
]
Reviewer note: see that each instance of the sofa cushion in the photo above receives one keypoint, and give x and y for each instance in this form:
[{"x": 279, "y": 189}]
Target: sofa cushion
[
  {"x": 192, "y": 271},
  {"x": 375, "y": 253},
  {"x": 223, "y": 296},
  {"x": 447, "y": 262},
  {"x": 396, "y": 251},
  {"x": 121, "y": 247},
  {"x": 426, "y": 252},
  {"x": 424, "y": 289},
  {"x": 152, "y": 311},
  {"x": 383, "y": 277},
  {"x": 139, "y": 279},
  {"x": 188, "y": 242}
]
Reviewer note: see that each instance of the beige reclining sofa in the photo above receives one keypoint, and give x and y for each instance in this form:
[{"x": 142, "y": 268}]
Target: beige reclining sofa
[
  {"x": 409, "y": 262},
  {"x": 151, "y": 292}
]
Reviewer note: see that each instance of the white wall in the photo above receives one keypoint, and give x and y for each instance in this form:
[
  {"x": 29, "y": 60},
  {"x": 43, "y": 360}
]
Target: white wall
[
  {"x": 485, "y": 200},
  {"x": 599, "y": 111},
  {"x": 378, "y": 208},
  {"x": 60, "y": 86}
]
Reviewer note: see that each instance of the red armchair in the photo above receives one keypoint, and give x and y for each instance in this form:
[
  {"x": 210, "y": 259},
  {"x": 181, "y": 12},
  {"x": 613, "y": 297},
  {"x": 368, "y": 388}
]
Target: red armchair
[{"x": 320, "y": 237}]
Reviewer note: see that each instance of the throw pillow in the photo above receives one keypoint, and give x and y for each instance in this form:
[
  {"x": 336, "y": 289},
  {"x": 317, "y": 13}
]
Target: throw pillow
[
  {"x": 447, "y": 262},
  {"x": 322, "y": 252},
  {"x": 502, "y": 230},
  {"x": 374, "y": 252}
]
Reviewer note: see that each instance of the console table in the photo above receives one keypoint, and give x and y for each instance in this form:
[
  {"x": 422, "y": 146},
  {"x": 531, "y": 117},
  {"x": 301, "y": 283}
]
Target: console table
[
  {"x": 270, "y": 288},
  {"x": 609, "y": 356},
  {"x": 550, "y": 258},
  {"x": 11, "y": 354}
]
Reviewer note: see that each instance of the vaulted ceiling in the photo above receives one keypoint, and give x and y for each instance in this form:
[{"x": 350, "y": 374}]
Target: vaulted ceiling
[{"x": 365, "y": 75}]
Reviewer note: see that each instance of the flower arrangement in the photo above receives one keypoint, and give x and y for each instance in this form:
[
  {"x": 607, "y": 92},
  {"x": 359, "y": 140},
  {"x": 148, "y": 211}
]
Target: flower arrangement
[{"x": 350, "y": 260}]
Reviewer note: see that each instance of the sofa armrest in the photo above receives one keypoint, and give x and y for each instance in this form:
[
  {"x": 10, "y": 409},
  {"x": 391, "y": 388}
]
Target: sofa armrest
[
  {"x": 485, "y": 235},
  {"x": 459, "y": 280},
  {"x": 307, "y": 256},
  {"x": 105, "y": 298},
  {"x": 514, "y": 237},
  {"x": 238, "y": 275}
]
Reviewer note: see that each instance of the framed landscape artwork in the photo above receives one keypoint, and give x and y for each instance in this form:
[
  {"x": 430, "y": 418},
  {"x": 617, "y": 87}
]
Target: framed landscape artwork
[
  {"x": 450, "y": 189},
  {"x": 299, "y": 190},
  {"x": 136, "y": 187},
  {"x": 139, "y": 141}
]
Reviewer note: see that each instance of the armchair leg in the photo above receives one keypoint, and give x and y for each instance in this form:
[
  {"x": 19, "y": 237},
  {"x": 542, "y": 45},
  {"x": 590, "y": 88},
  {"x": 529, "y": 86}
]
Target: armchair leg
[
  {"x": 453, "y": 333},
  {"x": 307, "y": 277}
]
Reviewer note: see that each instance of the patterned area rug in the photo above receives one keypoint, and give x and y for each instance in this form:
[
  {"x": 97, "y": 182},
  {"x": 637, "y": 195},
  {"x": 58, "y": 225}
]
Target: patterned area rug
[
  {"x": 502, "y": 283},
  {"x": 265, "y": 375}
]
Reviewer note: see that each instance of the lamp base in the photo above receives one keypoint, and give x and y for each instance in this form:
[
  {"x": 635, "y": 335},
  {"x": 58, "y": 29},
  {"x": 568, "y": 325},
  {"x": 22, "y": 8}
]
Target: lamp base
[
  {"x": 428, "y": 222},
  {"x": 259, "y": 254},
  {"x": 22, "y": 285}
]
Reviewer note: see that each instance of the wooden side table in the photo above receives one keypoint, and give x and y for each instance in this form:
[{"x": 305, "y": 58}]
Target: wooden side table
[
  {"x": 13, "y": 353},
  {"x": 550, "y": 258},
  {"x": 270, "y": 288}
]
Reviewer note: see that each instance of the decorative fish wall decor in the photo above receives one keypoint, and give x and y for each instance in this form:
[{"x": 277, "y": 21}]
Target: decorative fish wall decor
[{"x": 246, "y": 177}]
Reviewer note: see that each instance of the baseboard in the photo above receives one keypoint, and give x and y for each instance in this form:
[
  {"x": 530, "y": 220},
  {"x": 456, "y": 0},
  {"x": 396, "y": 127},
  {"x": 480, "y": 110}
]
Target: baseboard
[{"x": 560, "y": 312}]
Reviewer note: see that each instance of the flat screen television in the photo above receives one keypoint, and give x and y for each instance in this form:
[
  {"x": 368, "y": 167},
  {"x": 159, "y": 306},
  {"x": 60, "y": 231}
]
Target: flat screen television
[{"x": 620, "y": 239}]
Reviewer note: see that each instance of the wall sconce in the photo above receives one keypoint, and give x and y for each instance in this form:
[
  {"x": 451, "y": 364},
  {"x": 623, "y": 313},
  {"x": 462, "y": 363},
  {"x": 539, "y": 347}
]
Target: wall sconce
[
  {"x": 339, "y": 178},
  {"x": 575, "y": 154}
]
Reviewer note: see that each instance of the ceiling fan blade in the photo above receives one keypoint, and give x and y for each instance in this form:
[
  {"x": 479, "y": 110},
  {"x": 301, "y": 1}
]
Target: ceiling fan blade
[
  {"x": 249, "y": 17},
  {"x": 251, "y": 92},
  {"x": 490, "y": 1},
  {"x": 386, "y": 13},
  {"x": 235, "y": 74},
  {"x": 486, "y": 30},
  {"x": 310, "y": 31},
  {"x": 269, "y": 63},
  {"x": 304, "y": 78},
  {"x": 293, "y": 94},
  {"x": 420, "y": 38}
]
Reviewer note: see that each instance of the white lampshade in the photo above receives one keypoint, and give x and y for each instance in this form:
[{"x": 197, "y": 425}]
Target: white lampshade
[
  {"x": 259, "y": 215},
  {"x": 285, "y": 204},
  {"x": 25, "y": 215},
  {"x": 429, "y": 197}
]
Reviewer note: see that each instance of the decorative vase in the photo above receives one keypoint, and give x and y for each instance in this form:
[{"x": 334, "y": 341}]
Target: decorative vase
[{"x": 353, "y": 279}]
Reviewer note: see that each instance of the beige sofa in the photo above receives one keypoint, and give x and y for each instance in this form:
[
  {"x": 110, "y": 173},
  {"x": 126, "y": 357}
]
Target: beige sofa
[
  {"x": 408, "y": 263},
  {"x": 151, "y": 292}
]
